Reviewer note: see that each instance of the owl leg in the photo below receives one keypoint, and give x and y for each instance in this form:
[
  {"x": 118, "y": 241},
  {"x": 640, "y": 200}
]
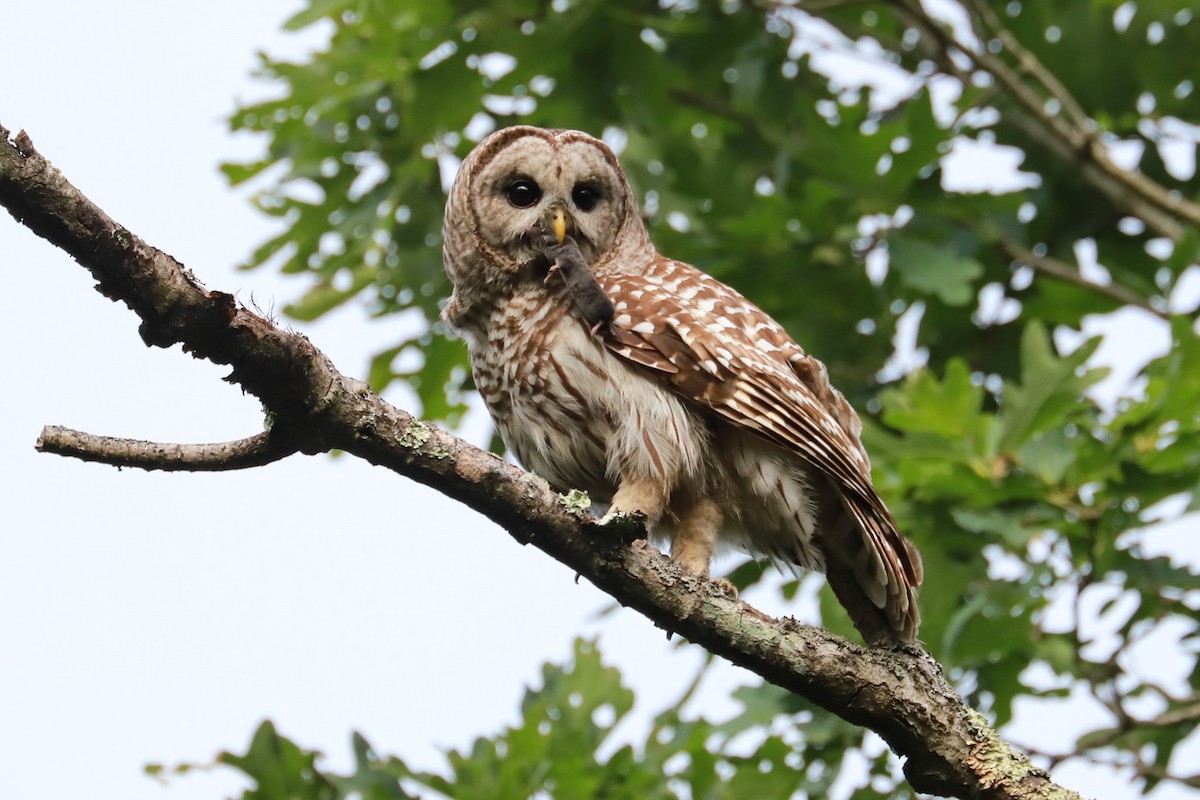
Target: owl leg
[
  {"x": 643, "y": 495},
  {"x": 695, "y": 537}
]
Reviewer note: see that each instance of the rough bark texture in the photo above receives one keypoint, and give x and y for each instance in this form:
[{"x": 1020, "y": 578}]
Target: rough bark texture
[{"x": 900, "y": 694}]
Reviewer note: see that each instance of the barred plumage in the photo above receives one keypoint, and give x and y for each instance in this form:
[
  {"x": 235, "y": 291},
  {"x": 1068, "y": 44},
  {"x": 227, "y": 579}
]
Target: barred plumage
[{"x": 693, "y": 406}]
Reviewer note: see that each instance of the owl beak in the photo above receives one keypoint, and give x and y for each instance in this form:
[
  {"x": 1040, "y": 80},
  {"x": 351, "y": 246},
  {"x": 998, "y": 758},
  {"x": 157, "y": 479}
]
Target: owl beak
[{"x": 560, "y": 225}]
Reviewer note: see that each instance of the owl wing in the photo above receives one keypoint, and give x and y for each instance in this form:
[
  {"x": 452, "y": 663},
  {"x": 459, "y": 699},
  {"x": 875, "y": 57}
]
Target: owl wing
[{"x": 719, "y": 351}]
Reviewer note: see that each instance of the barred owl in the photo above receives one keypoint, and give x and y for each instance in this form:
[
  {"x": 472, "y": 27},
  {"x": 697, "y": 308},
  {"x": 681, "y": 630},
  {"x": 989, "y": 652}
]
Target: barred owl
[{"x": 689, "y": 404}]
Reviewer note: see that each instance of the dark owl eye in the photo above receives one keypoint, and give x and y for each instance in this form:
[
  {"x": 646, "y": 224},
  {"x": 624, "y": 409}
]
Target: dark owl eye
[
  {"x": 585, "y": 196},
  {"x": 523, "y": 193}
]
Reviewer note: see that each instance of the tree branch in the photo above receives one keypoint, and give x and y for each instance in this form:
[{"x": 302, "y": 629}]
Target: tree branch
[
  {"x": 901, "y": 694},
  {"x": 254, "y": 451},
  {"x": 1028, "y": 62},
  {"x": 1071, "y": 274},
  {"x": 1073, "y": 140}
]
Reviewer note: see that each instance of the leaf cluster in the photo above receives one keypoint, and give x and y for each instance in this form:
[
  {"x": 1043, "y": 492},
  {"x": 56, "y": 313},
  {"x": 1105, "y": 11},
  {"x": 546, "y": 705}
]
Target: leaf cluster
[{"x": 566, "y": 745}]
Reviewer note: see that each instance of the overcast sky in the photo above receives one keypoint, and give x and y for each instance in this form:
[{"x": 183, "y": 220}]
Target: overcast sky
[{"x": 159, "y": 618}]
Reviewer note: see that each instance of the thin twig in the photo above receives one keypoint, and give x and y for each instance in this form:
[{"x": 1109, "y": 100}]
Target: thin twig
[
  {"x": 1063, "y": 271},
  {"x": 1140, "y": 769},
  {"x": 254, "y": 451},
  {"x": 712, "y": 105},
  {"x": 1169, "y": 719},
  {"x": 1133, "y": 192},
  {"x": 1071, "y": 135},
  {"x": 1029, "y": 63},
  {"x": 1147, "y": 770},
  {"x": 694, "y": 685}
]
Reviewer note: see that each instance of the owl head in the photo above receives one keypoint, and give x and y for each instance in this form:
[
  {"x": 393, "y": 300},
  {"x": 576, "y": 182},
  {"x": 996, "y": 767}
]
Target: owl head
[{"x": 521, "y": 176}]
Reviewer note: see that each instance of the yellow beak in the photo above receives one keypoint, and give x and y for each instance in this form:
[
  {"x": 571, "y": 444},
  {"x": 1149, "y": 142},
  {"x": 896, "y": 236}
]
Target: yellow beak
[{"x": 560, "y": 225}]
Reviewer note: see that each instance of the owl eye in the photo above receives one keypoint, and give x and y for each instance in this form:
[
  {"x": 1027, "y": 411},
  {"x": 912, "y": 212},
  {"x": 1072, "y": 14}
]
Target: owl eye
[
  {"x": 523, "y": 193},
  {"x": 586, "y": 197}
]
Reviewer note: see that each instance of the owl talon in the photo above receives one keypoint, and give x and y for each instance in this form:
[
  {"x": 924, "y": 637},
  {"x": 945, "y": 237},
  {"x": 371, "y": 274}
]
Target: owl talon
[
  {"x": 615, "y": 516},
  {"x": 623, "y": 526},
  {"x": 727, "y": 588}
]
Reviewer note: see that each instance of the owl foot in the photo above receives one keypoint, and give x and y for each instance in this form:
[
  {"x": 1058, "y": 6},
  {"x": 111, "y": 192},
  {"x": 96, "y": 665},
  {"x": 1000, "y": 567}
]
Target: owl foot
[
  {"x": 727, "y": 588},
  {"x": 724, "y": 585},
  {"x": 616, "y": 516},
  {"x": 627, "y": 525}
]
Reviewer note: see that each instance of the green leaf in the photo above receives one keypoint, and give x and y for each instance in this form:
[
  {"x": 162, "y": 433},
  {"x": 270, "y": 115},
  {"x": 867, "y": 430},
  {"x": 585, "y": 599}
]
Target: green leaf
[
  {"x": 1048, "y": 455},
  {"x": 324, "y": 297},
  {"x": 1050, "y": 391},
  {"x": 934, "y": 269},
  {"x": 949, "y": 407},
  {"x": 279, "y": 768},
  {"x": 1007, "y": 525}
]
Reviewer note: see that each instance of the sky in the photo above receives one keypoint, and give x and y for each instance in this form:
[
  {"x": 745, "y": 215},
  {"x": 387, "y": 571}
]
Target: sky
[{"x": 152, "y": 617}]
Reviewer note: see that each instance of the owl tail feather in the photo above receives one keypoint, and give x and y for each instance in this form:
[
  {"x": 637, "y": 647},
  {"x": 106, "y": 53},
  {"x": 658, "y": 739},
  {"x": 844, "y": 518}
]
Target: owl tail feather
[{"x": 865, "y": 576}]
